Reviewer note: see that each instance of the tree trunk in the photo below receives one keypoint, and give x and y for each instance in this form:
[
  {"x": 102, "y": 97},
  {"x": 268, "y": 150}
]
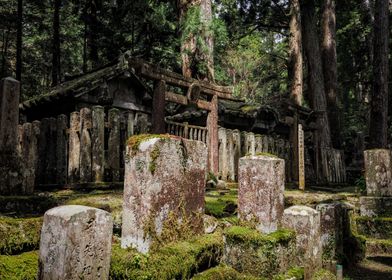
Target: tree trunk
[
  {"x": 56, "y": 44},
  {"x": 295, "y": 43},
  {"x": 206, "y": 18},
  {"x": 379, "y": 104},
  {"x": 328, "y": 50},
  {"x": 19, "y": 34},
  {"x": 316, "y": 79}
]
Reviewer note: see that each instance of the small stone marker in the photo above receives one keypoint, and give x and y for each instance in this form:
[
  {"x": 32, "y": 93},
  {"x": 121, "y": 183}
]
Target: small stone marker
[
  {"x": 163, "y": 189},
  {"x": 301, "y": 158},
  {"x": 261, "y": 191},
  {"x": 378, "y": 167},
  {"x": 305, "y": 221},
  {"x": 75, "y": 243}
]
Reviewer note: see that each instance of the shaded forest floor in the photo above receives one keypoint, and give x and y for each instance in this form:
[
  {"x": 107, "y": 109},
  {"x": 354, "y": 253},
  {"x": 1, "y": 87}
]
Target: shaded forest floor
[{"x": 377, "y": 268}]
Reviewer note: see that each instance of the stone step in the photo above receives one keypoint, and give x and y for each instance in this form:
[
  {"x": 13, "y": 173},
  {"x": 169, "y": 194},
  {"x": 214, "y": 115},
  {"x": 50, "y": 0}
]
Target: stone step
[
  {"x": 378, "y": 247},
  {"x": 376, "y": 228}
]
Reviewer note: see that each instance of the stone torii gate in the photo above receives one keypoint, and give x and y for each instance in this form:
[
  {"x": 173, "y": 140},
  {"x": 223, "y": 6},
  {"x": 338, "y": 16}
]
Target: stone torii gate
[{"x": 202, "y": 94}]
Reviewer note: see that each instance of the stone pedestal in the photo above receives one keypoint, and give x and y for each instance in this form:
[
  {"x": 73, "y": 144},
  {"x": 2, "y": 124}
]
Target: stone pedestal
[
  {"x": 305, "y": 221},
  {"x": 373, "y": 206},
  {"x": 378, "y": 172},
  {"x": 331, "y": 231},
  {"x": 75, "y": 243},
  {"x": 261, "y": 191},
  {"x": 163, "y": 190}
]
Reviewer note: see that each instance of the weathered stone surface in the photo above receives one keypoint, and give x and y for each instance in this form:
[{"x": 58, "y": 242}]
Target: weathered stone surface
[
  {"x": 42, "y": 152},
  {"x": 114, "y": 145},
  {"x": 163, "y": 190},
  {"x": 331, "y": 231},
  {"x": 260, "y": 255},
  {"x": 51, "y": 160},
  {"x": 305, "y": 221},
  {"x": 74, "y": 148},
  {"x": 261, "y": 191},
  {"x": 29, "y": 155},
  {"x": 85, "y": 145},
  {"x": 230, "y": 155},
  {"x": 61, "y": 150},
  {"x": 11, "y": 168},
  {"x": 378, "y": 167},
  {"x": 223, "y": 156},
  {"x": 98, "y": 138},
  {"x": 213, "y": 142},
  {"x": 75, "y": 243},
  {"x": 372, "y": 206},
  {"x": 237, "y": 151}
]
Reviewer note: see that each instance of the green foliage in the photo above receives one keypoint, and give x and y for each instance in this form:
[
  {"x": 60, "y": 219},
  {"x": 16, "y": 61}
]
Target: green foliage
[
  {"x": 221, "y": 205},
  {"x": 361, "y": 184},
  {"x": 23, "y": 266},
  {"x": 175, "y": 261},
  {"x": 19, "y": 235}
]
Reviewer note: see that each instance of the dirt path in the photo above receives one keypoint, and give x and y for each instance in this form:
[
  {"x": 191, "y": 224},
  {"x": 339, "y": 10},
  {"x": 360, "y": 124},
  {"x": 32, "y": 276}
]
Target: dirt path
[{"x": 377, "y": 268}]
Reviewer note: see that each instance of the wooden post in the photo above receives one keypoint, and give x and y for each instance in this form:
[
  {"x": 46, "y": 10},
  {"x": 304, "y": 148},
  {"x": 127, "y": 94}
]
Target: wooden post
[
  {"x": 213, "y": 144},
  {"x": 158, "y": 108},
  {"x": 294, "y": 152},
  {"x": 301, "y": 158}
]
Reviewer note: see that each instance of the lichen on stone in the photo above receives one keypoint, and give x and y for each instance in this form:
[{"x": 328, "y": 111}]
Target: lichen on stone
[{"x": 134, "y": 141}]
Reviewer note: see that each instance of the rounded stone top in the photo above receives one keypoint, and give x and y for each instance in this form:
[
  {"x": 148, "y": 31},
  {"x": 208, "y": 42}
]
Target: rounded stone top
[
  {"x": 67, "y": 211},
  {"x": 300, "y": 210}
]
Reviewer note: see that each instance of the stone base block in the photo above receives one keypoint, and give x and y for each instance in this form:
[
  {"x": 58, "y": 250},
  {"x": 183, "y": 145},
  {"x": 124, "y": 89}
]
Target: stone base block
[
  {"x": 163, "y": 190},
  {"x": 373, "y": 206},
  {"x": 305, "y": 221},
  {"x": 379, "y": 228},
  {"x": 378, "y": 172},
  {"x": 378, "y": 248},
  {"x": 75, "y": 243},
  {"x": 251, "y": 252}
]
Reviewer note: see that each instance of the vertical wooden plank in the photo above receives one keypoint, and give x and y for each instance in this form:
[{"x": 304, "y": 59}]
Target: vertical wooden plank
[
  {"x": 114, "y": 144},
  {"x": 212, "y": 126},
  {"x": 158, "y": 107},
  {"x": 61, "y": 150},
  {"x": 301, "y": 158},
  {"x": 85, "y": 145},
  {"x": 74, "y": 148},
  {"x": 98, "y": 138},
  {"x": 130, "y": 123}
]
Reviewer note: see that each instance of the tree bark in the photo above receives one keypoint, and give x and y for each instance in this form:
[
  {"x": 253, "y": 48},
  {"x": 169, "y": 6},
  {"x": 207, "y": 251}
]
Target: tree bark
[
  {"x": 316, "y": 79},
  {"x": 56, "y": 44},
  {"x": 379, "y": 104},
  {"x": 328, "y": 50},
  {"x": 19, "y": 35},
  {"x": 206, "y": 18},
  {"x": 295, "y": 42}
]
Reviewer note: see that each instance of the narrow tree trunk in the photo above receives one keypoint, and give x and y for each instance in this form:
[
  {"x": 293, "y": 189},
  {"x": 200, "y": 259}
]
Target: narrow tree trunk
[
  {"x": 379, "y": 104},
  {"x": 56, "y": 44},
  {"x": 19, "y": 36},
  {"x": 316, "y": 79},
  {"x": 295, "y": 42},
  {"x": 206, "y": 18},
  {"x": 328, "y": 50}
]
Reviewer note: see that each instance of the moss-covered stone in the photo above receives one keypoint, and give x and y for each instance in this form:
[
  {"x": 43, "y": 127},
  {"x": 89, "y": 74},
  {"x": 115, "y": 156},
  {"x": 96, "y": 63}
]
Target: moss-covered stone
[
  {"x": 18, "y": 267},
  {"x": 221, "y": 204},
  {"x": 260, "y": 255},
  {"x": 19, "y": 235},
  {"x": 223, "y": 272},
  {"x": 380, "y": 228},
  {"x": 135, "y": 140},
  {"x": 178, "y": 260},
  {"x": 323, "y": 274}
]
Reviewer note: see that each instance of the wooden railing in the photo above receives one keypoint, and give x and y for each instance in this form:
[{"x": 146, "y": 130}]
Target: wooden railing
[{"x": 187, "y": 131}]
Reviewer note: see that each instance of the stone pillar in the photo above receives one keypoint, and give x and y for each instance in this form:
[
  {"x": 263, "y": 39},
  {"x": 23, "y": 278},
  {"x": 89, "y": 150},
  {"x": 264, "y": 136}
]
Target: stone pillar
[
  {"x": 250, "y": 138},
  {"x": 74, "y": 148},
  {"x": 130, "y": 124},
  {"x": 51, "y": 162},
  {"x": 222, "y": 153},
  {"x": 258, "y": 144},
  {"x": 98, "y": 148},
  {"x": 305, "y": 221},
  {"x": 331, "y": 232},
  {"x": 36, "y": 126},
  {"x": 261, "y": 191},
  {"x": 265, "y": 144},
  {"x": 11, "y": 168},
  {"x": 237, "y": 150},
  {"x": 28, "y": 147},
  {"x": 114, "y": 144},
  {"x": 378, "y": 167},
  {"x": 213, "y": 144},
  {"x": 62, "y": 150},
  {"x": 301, "y": 158},
  {"x": 42, "y": 151},
  {"x": 158, "y": 108},
  {"x": 85, "y": 145},
  {"x": 163, "y": 190},
  {"x": 230, "y": 155},
  {"x": 75, "y": 243}
]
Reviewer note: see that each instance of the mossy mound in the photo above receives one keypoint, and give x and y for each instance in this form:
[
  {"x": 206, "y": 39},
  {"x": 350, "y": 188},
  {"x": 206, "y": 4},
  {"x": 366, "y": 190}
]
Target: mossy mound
[
  {"x": 19, "y": 235},
  {"x": 30, "y": 204},
  {"x": 178, "y": 260},
  {"x": 380, "y": 228},
  {"x": 23, "y": 266},
  {"x": 221, "y": 204},
  {"x": 257, "y": 254}
]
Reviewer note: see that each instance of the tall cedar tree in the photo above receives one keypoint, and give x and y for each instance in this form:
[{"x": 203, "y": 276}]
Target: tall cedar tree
[
  {"x": 379, "y": 104},
  {"x": 56, "y": 44},
  {"x": 328, "y": 51},
  {"x": 19, "y": 36}
]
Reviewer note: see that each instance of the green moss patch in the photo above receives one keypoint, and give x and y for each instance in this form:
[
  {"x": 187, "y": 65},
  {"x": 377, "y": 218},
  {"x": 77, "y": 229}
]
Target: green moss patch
[
  {"x": 324, "y": 274},
  {"x": 380, "y": 228},
  {"x": 23, "y": 266},
  {"x": 178, "y": 260},
  {"x": 135, "y": 140},
  {"x": 19, "y": 235},
  {"x": 223, "y": 272},
  {"x": 221, "y": 204}
]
